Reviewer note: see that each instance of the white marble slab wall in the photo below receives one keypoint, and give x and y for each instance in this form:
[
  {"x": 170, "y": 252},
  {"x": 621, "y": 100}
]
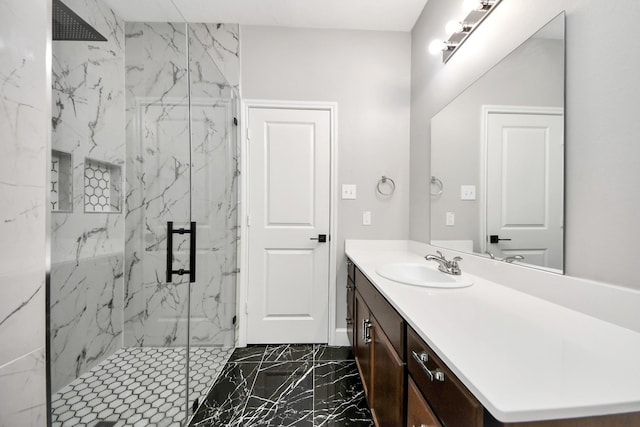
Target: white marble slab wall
[
  {"x": 157, "y": 181},
  {"x": 24, "y": 130},
  {"x": 222, "y": 44},
  {"x": 215, "y": 65},
  {"x": 87, "y": 248},
  {"x": 159, "y": 189}
]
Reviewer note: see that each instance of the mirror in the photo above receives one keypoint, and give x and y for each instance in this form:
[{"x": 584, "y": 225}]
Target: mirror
[{"x": 497, "y": 159}]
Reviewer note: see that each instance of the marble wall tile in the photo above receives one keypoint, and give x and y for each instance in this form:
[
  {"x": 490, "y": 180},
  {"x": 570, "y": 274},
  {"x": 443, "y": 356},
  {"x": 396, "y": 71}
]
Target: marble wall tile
[
  {"x": 86, "y": 315},
  {"x": 173, "y": 178},
  {"x": 157, "y": 176},
  {"x": 222, "y": 44},
  {"x": 23, "y": 132},
  {"x": 88, "y": 122},
  {"x": 22, "y": 312},
  {"x": 87, "y": 248},
  {"x": 23, "y": 391}
]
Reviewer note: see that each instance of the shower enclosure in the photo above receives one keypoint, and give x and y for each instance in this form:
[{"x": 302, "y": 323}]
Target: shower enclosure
[{"x": 143, "y": 220}]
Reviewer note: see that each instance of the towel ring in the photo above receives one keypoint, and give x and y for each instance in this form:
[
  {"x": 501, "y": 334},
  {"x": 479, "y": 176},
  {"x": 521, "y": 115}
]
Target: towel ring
[
  {"x": 439, "y": 184},
  {"x": 390, "y": 183}
]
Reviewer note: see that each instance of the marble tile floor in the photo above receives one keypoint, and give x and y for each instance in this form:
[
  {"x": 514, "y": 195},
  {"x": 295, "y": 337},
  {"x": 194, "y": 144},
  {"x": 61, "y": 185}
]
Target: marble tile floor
[
  {"x": 138, "y": 386},
  {"x": 286, "y": 385}
]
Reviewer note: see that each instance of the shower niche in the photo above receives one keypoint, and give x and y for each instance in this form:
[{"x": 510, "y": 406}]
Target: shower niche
[
  {"x": 102, "y": 187},
  {"x": 61, "y": 182}
]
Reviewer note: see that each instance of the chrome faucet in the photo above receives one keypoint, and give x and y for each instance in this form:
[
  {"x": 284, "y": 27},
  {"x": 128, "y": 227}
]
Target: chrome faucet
[
  {"x": 446, "y": 266},
  {"x": 512, "y": 258}
]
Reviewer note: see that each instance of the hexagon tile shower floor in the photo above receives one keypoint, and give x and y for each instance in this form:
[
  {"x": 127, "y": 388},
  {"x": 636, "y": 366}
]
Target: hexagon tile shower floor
[{"x": 138, "y": 386}]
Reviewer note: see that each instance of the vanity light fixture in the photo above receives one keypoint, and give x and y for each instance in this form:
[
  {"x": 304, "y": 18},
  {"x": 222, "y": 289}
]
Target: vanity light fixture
[{"x": 457, "y": 31}]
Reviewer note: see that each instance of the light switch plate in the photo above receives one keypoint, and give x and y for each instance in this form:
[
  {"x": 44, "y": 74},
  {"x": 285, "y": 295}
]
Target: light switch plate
[
  {"x": 366, "y": 218},
  {"x": 467, "y": 192},
  {"x": 348, "y": 191}
]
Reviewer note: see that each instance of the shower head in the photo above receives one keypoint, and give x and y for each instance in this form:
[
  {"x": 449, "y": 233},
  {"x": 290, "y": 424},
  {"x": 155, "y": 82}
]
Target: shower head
[{"x": 67, "y": 25}]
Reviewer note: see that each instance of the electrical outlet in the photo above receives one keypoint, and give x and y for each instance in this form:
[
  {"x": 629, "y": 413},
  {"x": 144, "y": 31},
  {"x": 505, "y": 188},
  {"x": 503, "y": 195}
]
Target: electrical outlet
[
  {"x": 467, "y": 192},
  {"x": 366, "y": 218},
  {"x": 348, "y": 191},
  {"x": 451, "y": 219}
]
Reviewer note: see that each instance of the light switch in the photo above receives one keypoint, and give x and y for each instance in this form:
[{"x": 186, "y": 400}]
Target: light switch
[
  {"x": 366, "y": 218},
  {"x": 348, "y": 191},
  {"x": 451, "y": 218},
  {"x": 467, "y": 192}
]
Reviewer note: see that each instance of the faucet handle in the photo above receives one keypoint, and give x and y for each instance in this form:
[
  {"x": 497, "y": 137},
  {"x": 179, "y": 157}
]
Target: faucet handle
[
  {"x": 440, "y": 254},
  {"x": 454, "y": 268}
]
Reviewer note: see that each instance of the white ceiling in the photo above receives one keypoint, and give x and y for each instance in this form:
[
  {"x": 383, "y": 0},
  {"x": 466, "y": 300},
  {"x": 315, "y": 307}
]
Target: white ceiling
[{"x": 382, "y": 15}]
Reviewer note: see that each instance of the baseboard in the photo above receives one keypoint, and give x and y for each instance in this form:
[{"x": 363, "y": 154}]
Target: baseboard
[{"x": 341, "y": 338}]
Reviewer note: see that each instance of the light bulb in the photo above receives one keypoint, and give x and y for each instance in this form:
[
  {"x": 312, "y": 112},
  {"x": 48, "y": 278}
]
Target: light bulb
[
  {"x": 436, "y": 47},
  {"x": 469, "y": 6},
  {"x": 453, "y": 27}
]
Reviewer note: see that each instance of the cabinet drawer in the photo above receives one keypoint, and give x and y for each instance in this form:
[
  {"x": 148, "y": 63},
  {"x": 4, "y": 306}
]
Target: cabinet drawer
[
  {"x": 449, "y": 398},
  {"x": 390, "y": 321},
  {"x": 419, "y": 413}
]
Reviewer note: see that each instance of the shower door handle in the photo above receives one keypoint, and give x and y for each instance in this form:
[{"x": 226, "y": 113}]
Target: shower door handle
[{"x": 192, "y": 251}]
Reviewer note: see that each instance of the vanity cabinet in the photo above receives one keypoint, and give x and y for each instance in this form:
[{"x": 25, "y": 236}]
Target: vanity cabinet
[
  {"x": 351, "y": 287},
  {"x": 379, "y": 351},
  {"x": 406, "y": 382}
]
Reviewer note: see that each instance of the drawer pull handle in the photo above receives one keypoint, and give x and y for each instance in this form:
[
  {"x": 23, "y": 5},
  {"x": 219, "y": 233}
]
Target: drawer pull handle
[
  {"x": 423, "y": 358},
  {"x": 366, "y": 331}
]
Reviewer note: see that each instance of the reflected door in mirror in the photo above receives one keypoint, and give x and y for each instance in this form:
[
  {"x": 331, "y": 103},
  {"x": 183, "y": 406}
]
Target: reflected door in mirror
[{"x": 525, "y": 166}]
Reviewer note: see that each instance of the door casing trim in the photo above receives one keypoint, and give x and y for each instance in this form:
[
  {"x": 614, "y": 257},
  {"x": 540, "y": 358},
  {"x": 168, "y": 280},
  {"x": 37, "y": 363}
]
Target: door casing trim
[{"x": 244, "y": 209}]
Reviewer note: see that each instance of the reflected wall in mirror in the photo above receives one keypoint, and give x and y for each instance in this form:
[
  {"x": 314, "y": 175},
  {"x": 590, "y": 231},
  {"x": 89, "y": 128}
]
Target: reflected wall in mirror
[{"x": 498, "y": 151}]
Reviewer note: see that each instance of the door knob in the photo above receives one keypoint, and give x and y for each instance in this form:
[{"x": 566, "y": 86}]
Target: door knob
[
  {"x": 494, "y": 238},
  {"x": 322, "y": 238}
]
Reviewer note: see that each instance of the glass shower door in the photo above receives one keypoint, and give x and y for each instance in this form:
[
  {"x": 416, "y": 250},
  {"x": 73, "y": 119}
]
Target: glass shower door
[
  {"x": 182, "y": 175},
  {"x": 214, "y": 198},
  {"x": 158, "y": 199}
]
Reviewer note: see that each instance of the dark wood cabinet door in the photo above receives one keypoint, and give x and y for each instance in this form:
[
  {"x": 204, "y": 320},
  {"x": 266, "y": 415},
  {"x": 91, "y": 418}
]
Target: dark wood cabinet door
[
  {"x": 350, "y": 320},
  {"x": 419, "y": 414},
  {"x": 387, "y": 380},
  {"x": 391, "y": 322},
  {"x": 362, "y": 348}
]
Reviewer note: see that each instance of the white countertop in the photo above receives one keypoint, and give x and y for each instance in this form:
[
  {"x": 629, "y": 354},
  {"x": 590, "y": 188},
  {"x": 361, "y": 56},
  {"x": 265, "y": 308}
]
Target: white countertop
[{"x": 522, "y": 357}]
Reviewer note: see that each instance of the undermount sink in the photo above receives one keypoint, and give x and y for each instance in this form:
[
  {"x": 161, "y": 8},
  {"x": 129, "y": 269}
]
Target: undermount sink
[{"x": 421, "y": 275}]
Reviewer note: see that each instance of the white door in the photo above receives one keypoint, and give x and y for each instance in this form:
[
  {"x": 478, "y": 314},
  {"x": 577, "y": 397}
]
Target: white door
[
  {"x": 289, "y": 194},
  {"x": 525, "y": 168}
]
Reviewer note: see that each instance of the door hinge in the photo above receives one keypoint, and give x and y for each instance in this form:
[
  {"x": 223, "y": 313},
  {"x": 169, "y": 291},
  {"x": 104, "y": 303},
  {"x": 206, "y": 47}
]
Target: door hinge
[
  {"x": 246, "y": 308},
  {"x": 248, "y": 221},
  {"x": 235, "y": 121}
]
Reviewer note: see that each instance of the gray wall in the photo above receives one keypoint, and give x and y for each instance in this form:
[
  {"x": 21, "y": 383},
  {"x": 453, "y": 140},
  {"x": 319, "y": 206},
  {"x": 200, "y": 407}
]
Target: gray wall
[
  {"x": 602, "y": 126},
  {"x": 367, "y": 74},
  {"x": 25, "y": 124}
]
